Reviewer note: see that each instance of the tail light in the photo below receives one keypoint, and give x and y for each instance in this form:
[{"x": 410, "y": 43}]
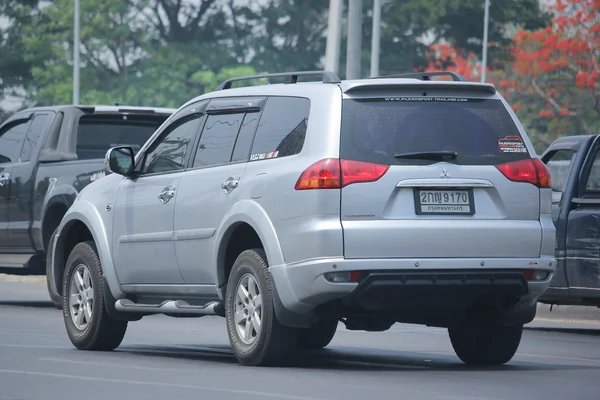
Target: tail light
[
  {"x": 533, "y": 171},
  {"x": 332, "y": 173}
]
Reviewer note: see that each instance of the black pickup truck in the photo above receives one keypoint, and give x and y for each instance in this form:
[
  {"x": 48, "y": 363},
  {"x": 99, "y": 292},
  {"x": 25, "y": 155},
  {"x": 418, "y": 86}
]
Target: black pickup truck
[
  {"x": 574, "y": 164},
  {"x": 47, "y": 155}
]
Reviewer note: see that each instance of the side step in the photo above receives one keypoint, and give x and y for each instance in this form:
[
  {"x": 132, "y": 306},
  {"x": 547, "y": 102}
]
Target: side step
[{"x": 171, "y": 307}]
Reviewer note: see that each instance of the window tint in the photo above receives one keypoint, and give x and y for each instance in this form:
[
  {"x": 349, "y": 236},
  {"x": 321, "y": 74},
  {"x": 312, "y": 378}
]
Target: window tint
[
  {"x": 593, "y": 182},
  {"x": 98, "y": 133},
  {"x": 481, "y": 132},
  {"x": 282, "y": 127},
  {"x": 241, "y": 152},
  {"x": 217, "y": 139},
  {"x": 36, "y": 130},
  {"x": 558, "y": 165},
  {"x": 11, "y": 141},
  {"x": 170, "y": 151}
]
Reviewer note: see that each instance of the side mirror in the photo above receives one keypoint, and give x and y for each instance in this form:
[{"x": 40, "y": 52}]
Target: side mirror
[{"x": 119, "y": 160}]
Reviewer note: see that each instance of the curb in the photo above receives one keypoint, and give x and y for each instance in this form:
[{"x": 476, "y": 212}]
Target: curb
[
  {"x": 23, "y": 278},
  {"x": 568, "y": 314}
]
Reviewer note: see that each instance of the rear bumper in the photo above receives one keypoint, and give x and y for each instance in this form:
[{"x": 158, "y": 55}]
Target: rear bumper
[{"x": 419, "y": 284}]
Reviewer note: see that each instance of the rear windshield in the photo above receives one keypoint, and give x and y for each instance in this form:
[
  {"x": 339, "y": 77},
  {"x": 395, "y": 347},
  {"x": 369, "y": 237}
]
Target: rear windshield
[
  {"x": 98, "y": 133},
  {"x": 481, "y": 132}
]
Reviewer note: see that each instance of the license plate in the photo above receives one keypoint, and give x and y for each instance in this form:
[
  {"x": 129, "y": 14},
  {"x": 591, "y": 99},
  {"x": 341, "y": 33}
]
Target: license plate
[{"x": 444, "y": 202}]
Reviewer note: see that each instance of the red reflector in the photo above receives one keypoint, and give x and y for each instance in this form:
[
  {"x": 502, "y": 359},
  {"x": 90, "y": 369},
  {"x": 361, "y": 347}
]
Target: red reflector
[
  {"x": 332, "y": 173},
  {"x": 355, "y": 276},
  {"x": 528, "y": 274},
  {"x": 532, "y": 171}
]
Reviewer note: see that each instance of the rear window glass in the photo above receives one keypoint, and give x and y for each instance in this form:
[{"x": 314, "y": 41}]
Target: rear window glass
[
  {"x": 481, "y": 132},
  {"x": 98, "y": 133}
]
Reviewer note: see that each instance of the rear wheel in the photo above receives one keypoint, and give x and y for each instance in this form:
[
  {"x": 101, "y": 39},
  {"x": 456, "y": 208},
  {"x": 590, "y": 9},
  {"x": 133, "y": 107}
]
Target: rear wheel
[
  {"x": 486, "y": 344},
  {"x": 318, "y": 335},
  {"x": 256, "y": 336},
  {"x": 88, "y": 325}
]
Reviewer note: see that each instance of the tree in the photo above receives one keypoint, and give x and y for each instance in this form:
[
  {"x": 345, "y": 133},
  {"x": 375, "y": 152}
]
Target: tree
[{"x": 561, "y": 65}]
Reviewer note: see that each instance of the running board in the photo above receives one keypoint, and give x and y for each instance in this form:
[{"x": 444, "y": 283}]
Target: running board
[{"x": 171, "y": 307}]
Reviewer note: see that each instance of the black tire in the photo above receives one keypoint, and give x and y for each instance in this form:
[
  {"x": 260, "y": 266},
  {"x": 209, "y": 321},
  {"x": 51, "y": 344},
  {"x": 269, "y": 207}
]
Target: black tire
[
  {"x": 486, "y": 344},
  {"x": 55, "y": 297},
  {"x": 102, "y": 332},
  {"x": 318, "y": 335},
  {"x": 274, "y": 342}
]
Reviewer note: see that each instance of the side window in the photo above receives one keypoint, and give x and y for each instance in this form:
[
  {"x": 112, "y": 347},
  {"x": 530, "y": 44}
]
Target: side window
[
  {"x": 169, "y": 152},
  {"x": 217, "y": 139},
  {"x": 241, "y": 152},
  {"x": 558, "y": 165},
  {"x": 11, "y": 141},
  {"x": 282, "y": 127},
  {"x": 592, "y": 186},
  {"x": 36, "y": 130}
]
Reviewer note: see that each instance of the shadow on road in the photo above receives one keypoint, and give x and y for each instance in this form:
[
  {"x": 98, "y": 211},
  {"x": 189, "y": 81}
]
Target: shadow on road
[
  {"x": 27, "y": 303},
  {"x": 348, "y": 358},
  {"x": 576, "y": 331}
]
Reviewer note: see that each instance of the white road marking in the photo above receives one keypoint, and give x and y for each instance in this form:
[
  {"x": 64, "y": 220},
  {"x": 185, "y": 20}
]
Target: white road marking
[{"x": 79, "y": 378}]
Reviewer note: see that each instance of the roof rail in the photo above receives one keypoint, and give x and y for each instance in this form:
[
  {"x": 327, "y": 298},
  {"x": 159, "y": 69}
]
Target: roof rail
[
  {"x": 291, "y": 77},
  {"x": 426, "y": 76}
]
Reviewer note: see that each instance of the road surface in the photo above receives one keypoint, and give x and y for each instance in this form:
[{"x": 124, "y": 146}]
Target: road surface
[{"x": 164, "y": 358}]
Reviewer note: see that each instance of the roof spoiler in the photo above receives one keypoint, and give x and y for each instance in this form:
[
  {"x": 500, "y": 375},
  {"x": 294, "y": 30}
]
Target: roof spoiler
[{"x": 463, "y": 86}]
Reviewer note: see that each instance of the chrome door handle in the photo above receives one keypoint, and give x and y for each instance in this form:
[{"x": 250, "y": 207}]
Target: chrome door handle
[
  {"x": 167, "y": 194},
  {"x": 230, "y": 184},
  {"x": 4, "y": 179}
]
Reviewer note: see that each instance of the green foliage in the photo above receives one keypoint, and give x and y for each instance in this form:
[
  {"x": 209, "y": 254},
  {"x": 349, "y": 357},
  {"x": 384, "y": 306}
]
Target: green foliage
[{"x": 165, "y": 52}]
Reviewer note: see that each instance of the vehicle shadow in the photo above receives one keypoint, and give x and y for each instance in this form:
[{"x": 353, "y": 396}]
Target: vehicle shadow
[
  {"x": 27, "y": 303},
  {"x": 576, "y": 331},
  {"x": 349, "y": 359}
]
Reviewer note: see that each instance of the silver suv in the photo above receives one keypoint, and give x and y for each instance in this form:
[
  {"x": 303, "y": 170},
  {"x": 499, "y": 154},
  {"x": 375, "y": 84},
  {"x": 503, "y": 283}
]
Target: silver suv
[{"x": 285, "y": 208}]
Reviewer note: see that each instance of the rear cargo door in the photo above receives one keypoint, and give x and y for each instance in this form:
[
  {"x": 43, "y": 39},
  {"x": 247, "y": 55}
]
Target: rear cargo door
[{"x": 443, "y": 195}]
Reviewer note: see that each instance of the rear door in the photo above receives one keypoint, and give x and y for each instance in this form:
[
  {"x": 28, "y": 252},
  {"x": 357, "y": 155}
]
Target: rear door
[
  {"x": 583, "y": 228},
  {"x": 22, "y": 178},
  {"x": 211, "y": 186},
  {"x": 436, "y": 205},
  {"x": 559, "y": 160},
  {"x": 12, "y": 137}
]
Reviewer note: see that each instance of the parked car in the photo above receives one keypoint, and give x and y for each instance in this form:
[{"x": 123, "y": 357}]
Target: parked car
[
  {"x": 47, "y": 156},
  {"x": 574, "y": 165},
  {"x": 286, "y": 208}
]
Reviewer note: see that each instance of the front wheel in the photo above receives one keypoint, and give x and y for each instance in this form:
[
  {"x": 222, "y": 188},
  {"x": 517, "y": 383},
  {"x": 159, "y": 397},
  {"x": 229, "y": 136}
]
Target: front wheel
[
  {"x": 486, "y": 344},
  {"x": 256, "y": 336},
  {"x": 88, "y": 325}
]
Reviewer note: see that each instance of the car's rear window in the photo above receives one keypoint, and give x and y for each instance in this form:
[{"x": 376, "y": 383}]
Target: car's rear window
[
  {"x": 481, "y": 132},
  {"x": 98, "y": 133}
]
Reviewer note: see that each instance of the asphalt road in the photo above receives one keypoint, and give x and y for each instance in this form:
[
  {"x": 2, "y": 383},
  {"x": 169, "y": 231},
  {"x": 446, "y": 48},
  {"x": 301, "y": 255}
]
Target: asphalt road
[{"x": 164, "y": 358}]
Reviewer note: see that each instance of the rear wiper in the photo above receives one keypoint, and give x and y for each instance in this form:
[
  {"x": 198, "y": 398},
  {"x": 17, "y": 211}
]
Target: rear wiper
[{"x": 429, "y": 155}]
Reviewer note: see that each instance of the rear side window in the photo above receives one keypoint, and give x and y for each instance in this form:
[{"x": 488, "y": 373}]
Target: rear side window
[
  {"x": 558, "y": 165},
  {"x": 217, "y": 139},
  {"x": 98, "y": 133},
  {"x": 282, "y": 128},
  {"x": 481, "y": 132}
]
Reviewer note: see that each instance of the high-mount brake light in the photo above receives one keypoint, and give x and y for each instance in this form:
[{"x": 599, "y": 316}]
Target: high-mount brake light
[
  {"x": 532, "y": 170},
  {"x": 332, "y": 173}
]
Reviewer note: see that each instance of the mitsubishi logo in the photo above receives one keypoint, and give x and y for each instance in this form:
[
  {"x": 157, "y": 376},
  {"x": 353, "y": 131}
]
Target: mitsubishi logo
[{"x": 444, "y": 173}]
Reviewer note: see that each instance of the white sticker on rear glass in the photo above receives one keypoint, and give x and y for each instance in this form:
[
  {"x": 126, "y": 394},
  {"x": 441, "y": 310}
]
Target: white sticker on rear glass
[
  {"x": 262, "y": 156},
  {"x": 512, "y": 144},
  {"x": 427, "y": 98}
]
